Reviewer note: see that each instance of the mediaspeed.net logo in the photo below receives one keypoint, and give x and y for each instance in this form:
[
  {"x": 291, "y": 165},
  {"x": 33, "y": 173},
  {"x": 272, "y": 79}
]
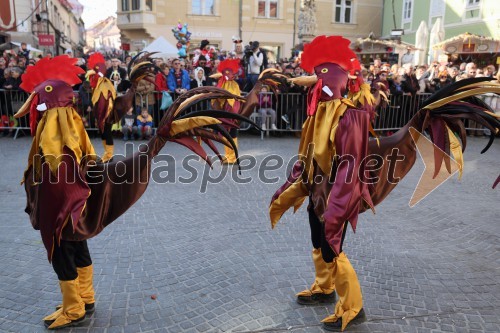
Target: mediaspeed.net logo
[
  {"x": 434, "y": 174},
  {"x": 269, "y": 169}
]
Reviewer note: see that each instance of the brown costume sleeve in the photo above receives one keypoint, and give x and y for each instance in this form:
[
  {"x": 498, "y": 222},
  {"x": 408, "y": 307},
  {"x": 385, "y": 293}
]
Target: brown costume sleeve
[{"x": 348, "y": 190}]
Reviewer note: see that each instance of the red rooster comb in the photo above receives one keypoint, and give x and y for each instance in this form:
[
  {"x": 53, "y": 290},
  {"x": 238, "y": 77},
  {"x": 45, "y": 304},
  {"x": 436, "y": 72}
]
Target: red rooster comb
[
  {"x": 58, "y": 68},
  {"x": 232, "y": 64},
  {"x": 94, "y": 59},
  {"x": 356, "y": 67},
  {"x": 331, "y": 49}
]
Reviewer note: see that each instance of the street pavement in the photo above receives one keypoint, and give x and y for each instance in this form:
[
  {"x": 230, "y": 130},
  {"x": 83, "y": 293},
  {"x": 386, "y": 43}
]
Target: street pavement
[{"x": 195, "y": 258}]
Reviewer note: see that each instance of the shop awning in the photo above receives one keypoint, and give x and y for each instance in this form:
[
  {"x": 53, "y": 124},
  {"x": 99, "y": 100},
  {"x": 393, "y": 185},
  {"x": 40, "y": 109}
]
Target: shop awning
[
  {"x": 469, "y": 43},
  {"x": 371, "y": 46}
]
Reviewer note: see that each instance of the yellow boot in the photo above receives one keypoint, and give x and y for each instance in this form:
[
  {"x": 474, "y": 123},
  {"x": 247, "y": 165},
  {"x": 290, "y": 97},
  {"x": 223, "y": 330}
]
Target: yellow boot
[
  {"x": 73, "y": 309},
  {"x": 108, "y": 152},
  {"x": 86, "y": 287},
  {"x": 323, "y": 288},
  {"x": 230, "y": 155},
  {"x": 349, "y": 308}
]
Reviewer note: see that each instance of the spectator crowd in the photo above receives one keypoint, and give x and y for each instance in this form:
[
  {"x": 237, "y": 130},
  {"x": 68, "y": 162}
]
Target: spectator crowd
[{"x": 177, "y": 75}]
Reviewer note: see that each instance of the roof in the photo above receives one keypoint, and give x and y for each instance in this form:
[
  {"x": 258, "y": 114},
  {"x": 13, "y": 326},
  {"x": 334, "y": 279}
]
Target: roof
[
  {"x": 386, "y": 42},
  {"x": 466, "y": 38}
]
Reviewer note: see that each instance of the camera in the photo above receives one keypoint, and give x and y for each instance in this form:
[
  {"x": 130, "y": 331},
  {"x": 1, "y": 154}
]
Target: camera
[{"x": 248, "y": 50}]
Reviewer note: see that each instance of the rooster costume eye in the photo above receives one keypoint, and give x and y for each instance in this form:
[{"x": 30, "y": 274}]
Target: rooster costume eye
[
  {"x": 324, "y": 70},
  {"x": 48, "y": 89}
]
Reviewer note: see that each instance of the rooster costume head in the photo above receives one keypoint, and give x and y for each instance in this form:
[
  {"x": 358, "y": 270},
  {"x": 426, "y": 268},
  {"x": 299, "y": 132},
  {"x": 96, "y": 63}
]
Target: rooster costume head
[
  {"x": 97, "y": 68},
  {"x": 332, "y": 63},
  {"x": 50, "y": 83},
  {"x": 227, "y": 71}
]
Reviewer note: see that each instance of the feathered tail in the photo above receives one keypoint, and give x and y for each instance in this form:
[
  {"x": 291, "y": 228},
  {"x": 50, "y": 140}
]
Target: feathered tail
[
  {"x": 447, "y": 110},
  {"x": 139, "y": 68},
  {"x": 270, "y": 77},
  {"x": 208, "y": 125},
  {"x": 142, "y": 67}
]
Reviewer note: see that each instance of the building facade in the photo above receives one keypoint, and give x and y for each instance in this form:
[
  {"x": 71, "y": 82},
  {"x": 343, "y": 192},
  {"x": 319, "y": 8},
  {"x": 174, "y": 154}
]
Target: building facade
[
  {"x": 274, "y": 23},
  {"x": 26, "y": 20},
  {"x": 480, "y": 17},
  {"x": 104, "y": 35}
]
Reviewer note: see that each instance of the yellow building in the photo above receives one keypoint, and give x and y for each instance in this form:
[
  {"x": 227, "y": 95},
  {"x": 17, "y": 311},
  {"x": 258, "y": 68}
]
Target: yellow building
[{"x": 274, "y": 23}]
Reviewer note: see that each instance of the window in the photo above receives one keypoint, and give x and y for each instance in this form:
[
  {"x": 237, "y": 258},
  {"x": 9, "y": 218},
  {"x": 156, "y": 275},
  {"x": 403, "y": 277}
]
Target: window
[
  {"x": 438, "y": 8},
  {"x": 472, "y": 9},
  {"x": 268, "y": 8},
  {"x": 125, "y": 7},
  {"x": 407, "y": 10},
  {"x": 203, "y": 7},
  {"x": 343, "y": 11},
  {"x": 136, "y": 4},
  {"x": 149, "y": 5}
]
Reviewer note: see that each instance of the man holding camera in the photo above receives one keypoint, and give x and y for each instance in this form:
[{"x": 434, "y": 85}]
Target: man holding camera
[{"x": 256, "y": 61}]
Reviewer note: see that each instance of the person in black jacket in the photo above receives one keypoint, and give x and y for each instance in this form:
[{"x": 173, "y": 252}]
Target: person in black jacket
[
  {"x": 410, "y": 82},
  {"x": 122, "y": 74},
  {"x": 199, "y": 78},
  {"x": 442, "y": 81}
]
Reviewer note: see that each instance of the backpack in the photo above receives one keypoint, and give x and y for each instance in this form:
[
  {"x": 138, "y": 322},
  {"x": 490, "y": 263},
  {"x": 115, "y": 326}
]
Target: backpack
[{"x": 166, "y": 100}]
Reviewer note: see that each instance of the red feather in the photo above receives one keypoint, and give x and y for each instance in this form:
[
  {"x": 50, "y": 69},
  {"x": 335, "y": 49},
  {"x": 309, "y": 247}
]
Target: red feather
[
  {"x": 58, "y": 68},
  {"x": 94, "y": 59},
  {"x": 331, "y": 49}
]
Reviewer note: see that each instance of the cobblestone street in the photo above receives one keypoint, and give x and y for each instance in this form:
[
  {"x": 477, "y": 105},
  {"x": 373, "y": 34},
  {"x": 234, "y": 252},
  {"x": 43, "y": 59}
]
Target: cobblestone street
[{"x": 208, "y": 254}]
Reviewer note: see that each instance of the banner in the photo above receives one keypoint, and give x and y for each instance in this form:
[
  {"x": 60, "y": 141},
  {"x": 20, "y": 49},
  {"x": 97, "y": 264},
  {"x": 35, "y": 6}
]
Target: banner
[{"x": 45, "y": 40}]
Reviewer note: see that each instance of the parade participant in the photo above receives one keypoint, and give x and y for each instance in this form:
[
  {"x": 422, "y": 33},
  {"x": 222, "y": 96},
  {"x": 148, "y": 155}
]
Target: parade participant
[
  {"x": 331, "y": 173},
  {"x": 59, "y": 148},
  {"x": 207, "y": 52},
  {"x": 334, "y": 127},
  {"x": 103, "y": 98},
  {"x": 227, "y": 70},
  {"x": 71, "y": 195}
]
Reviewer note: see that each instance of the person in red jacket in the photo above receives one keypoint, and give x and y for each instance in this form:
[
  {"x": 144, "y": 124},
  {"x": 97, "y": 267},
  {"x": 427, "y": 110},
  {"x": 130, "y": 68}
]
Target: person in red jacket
[{"x": 161, "y": 85}]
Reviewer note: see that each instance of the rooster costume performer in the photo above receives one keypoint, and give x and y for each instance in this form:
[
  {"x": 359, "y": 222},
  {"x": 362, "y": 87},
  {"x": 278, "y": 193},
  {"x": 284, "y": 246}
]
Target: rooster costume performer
[
  {"x": 333, "y": 145},
  {"x": 103, "y": 98},
  {"x": 227, "y": 71},
  {"x": 71, "y": 195}
]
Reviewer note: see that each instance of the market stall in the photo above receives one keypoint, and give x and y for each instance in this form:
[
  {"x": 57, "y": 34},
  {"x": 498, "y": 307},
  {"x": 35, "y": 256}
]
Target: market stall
[
  {"x": 389, "y": 51},
  {"x": 468, "y": 47}
]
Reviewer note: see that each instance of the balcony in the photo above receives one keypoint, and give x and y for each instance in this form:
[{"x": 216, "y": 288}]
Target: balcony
[{"x": 135, "y": 19}]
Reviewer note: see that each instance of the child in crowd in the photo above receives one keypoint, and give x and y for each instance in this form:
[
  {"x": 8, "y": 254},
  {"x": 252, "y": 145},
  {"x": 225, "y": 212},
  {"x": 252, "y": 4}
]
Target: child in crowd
[
  {"x": 144, "y": 124},
  {"x": 129, "y": 129},
  {"x": 265, "y": 104}
]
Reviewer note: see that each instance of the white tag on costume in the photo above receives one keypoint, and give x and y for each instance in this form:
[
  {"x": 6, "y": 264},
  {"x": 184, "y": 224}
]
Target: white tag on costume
[
  {"x": 41, "y": 107},
  {"x": 101, "y": 75},
  {"x": 327, "y": 90},
  {"x": 227, "y": 79}
]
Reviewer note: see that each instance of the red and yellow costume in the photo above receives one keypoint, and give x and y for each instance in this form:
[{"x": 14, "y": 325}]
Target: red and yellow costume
[
  {"x": 59, "y": 152},
  {"x": 334, "y": 143},
  {"x": 103, "y": 98},
  {"x": 228, "y": 69},
  {"x": 71, "y": 195}
]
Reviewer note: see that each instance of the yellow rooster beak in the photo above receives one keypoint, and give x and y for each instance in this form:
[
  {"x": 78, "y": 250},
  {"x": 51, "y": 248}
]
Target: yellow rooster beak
[
  {"x": 216, "y": 76},
  {"x": 89, "y": 73},
  {"x": 25, "y": 108},
  {"x": 306, "y": 81}
]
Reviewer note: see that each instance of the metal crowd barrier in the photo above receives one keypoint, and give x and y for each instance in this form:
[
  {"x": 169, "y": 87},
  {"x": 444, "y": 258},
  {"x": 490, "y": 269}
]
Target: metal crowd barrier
[
  {"x": 391, "y": 117},
  {"x": 398, "y": 111}
]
